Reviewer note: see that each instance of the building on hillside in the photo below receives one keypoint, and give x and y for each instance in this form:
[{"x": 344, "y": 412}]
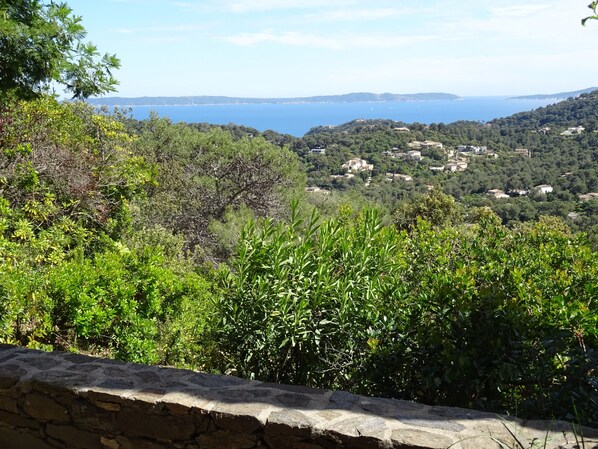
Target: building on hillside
[
  {"x": 357, "y": 165},
  {"x": 544, "y": 130},
  {"x": 544, "y": 188},
  {"x": 398, "y": 176},
  {"x": 345, "y": 176},
  {"x": 472, "y": 149},
  {"x": 432, "y": 144},
  {"x": 415, "y": 154},
  {"x": 573, "y": 130},
  {"x": 394, "y": 153},
  {"x": 425, "y": 144},
  {"x": 437, "y": 168},
  {"x": 523, "y": 152},
  {"x": 588, "y": 197},
  {"x": 318, "y": 151},
  {"x": 402, "y": 129},
  {"x": 497, "y": 193},
  {"x": 456, "y": 166},
  {"x": 315, "y": 189}
]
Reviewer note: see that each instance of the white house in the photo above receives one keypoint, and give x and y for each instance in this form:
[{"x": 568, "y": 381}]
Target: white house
[
  {"x": 472, "y": 149},
  {"x": 573, "y": 130},
  {"x": 355, "y": 165},
  {"x": 415, "y": 154},
  {"x": 424, "y": 144},
  {"x": 400, "y": 177},
  {"x": 543, "y": 188},
  {"x": 456, "y": 166},
  {"x": 318, "y": 151},
  {"x": 394, "y": 153},
  {"x": 431, "y": 144}
]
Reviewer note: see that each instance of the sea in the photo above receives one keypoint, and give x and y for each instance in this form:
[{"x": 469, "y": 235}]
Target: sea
[{"x": 298, "y": 118}]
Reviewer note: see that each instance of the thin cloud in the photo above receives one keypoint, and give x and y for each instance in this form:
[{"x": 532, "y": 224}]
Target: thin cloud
[
  {"x": 361, "y": 14},
  {"x": 332, "y": 43},
  {"x": 518, "y": 10},
  {"x": 290, "y": 38},
  {"x": 158, "y": 29},
  {"x": 245, "y": 6}
]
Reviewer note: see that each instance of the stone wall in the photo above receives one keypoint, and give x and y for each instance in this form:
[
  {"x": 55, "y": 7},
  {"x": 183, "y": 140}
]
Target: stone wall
[{"x": 61, "y": 400}]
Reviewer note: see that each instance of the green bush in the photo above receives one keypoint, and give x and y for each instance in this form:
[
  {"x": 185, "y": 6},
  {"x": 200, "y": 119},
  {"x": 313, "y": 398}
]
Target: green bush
[
  {"x": 73, "y": 274},
  {"x": 477, "y": 316},
  {"x": 305, "y": 298},
  {"x": 139, "y": 306}
]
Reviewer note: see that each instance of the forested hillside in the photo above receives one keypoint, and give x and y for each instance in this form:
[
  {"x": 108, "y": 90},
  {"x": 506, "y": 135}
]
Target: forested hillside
[{"x": 518, "y": 154}]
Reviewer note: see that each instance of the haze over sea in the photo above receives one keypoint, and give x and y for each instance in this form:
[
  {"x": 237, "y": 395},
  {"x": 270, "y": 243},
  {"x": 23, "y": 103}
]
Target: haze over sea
[{"x": 298, "y": 118}]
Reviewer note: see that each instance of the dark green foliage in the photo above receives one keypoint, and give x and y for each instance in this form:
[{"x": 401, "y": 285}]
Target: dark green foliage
[
  {"x": 42, "y": 43},
  {"x": 137, "y": 305},
  {"x": 479, "y": 316},
  {"x": 203, "y": 176},
  {"x": 305, "y": 298},
  {"x": 437, "y": 208},
  {"x": 73, "y": 273},
  {"x": 577, "y": 110}
]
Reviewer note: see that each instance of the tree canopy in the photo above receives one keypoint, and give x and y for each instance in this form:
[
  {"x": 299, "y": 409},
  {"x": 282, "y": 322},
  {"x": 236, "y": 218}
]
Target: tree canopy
[{"x": 42, "y": 45}]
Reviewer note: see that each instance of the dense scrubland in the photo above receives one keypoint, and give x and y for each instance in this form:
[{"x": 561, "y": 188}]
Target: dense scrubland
[{"x": 197, "y": 246}]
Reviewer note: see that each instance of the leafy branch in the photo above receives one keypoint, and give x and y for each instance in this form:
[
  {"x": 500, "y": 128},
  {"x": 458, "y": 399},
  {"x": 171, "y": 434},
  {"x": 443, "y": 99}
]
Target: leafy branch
[{"x": 594, "y": 7}]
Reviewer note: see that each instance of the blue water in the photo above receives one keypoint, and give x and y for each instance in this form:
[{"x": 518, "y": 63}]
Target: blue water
[{"x": 297, "y": 119}]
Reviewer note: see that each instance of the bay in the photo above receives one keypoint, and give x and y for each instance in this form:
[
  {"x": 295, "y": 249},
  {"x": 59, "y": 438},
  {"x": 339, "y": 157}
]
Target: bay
[{"x": 298, "y": 118}]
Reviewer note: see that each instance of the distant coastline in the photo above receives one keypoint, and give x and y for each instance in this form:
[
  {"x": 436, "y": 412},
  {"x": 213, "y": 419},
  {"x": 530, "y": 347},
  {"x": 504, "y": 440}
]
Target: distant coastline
[
  {"x": 298, "y": 118},
  {"x": 362, "y": 97},
  {"x": 557, "y": 96}
]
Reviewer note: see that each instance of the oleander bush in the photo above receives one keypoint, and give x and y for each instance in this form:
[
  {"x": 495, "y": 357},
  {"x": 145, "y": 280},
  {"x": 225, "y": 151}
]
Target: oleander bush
[{"x": 475, "y": 315}]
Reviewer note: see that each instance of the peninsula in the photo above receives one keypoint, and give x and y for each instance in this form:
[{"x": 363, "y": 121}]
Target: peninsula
[{"x": 557, "y": 96}]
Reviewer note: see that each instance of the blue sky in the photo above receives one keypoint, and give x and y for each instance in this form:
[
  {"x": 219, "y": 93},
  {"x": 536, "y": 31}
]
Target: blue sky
[{"x": 286, "y": 48}]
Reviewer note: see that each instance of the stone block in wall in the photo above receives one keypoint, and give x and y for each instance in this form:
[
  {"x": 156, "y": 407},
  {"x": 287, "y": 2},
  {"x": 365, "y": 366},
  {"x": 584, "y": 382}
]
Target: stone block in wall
[
  {"x": 143, "y": 422},
  {"x": 14, "y": 439},
  {"x": 45, "y": 409},
  {"x": 223, "y": 439},
  {"x": 289, "y": 442},
  {"x": 10, "y": 375},
  {"x": 289, "y": 422},
  {"x": 74, "y": 438},
  {"x": 87, "y": 416},
  {"x": 15, "y": 420},
  {"x": 136, "y": 443},
  {"x": 238, "y": 417},
  {"x": 7, "y": 402},
  {"x": 429, "y": 440}
]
